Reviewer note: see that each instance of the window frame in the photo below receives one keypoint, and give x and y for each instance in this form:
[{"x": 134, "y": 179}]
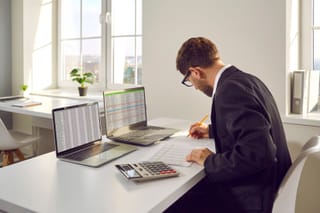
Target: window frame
[
  {"x": 306, "y": 56},
  {"x": 110, "y": 69},
  {"x": 106, "y": 70},
  {"x": 306, "y": 41},
  {"x": 67, "y": 83}
]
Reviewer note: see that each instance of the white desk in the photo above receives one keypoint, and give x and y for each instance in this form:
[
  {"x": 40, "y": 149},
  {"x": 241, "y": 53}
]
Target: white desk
[
  {"x": 45, "y": 184},
  {"x": 41, "y": 115},
  {"x": 47, "y": 104}
]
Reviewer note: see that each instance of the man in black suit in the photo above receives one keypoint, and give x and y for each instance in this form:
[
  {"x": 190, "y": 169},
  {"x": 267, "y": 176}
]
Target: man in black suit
[{"x": 251, "y": 156}]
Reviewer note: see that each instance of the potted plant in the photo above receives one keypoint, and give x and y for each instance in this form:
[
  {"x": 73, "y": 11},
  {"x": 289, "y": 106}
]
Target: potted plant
[
  {"x": 23, "y": 89},
  {"x": 82, "y": 78}
]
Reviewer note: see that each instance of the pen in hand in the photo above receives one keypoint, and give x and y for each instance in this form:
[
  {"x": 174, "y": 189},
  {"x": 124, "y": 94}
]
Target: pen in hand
[{"x": 200, "y": 122}]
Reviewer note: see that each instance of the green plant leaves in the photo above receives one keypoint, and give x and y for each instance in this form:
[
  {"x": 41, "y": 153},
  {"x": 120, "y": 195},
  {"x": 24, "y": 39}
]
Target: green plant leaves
[{"x": 82, "y": 78}]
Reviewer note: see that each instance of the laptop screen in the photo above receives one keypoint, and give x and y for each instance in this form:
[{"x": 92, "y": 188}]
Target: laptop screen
[
  {"x": 76, "y": 125},
  {"x": 124, "y": 108}
]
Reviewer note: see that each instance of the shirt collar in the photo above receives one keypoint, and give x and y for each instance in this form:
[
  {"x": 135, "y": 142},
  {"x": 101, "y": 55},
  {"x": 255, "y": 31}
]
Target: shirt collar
[{"x": 216, "y": 80}]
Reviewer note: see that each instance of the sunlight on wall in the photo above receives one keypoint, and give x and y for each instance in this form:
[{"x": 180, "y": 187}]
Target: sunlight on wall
[
  {"x": 32, "y": 51},
  {"x": 42, "y": 73},
  {"x": 44, "y": 30},
  {"x": 42, "y": 77}
]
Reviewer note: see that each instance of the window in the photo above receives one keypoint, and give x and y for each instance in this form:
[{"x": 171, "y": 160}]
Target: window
[
  {"x": 103, "y": 37},
  {"x": 80, "y": 37},
  {"x": 126, "y": 39},
  {"x": 316, "y": 35},
  {"x": 310, "y": 49}
]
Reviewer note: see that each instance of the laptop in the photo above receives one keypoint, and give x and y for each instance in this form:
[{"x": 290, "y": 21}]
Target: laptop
[
  {"x": 78, "y": 139},
  {"x": 126, "y": 118}
]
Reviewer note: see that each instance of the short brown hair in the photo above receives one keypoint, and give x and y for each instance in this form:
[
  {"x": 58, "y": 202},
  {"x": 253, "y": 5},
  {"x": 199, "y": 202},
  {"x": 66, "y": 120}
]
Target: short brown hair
[{"x": 194, "y": 52}]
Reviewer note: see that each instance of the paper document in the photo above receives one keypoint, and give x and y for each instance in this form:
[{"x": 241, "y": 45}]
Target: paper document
[
  {"x": 175, "y": 150},
  {"x": 26, "y": 103},
  {"x": 173, "y": 154}
]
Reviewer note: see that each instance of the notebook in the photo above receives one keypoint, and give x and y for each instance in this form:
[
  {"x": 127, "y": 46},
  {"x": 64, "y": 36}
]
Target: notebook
[
  {"x": 77, "y": 136},
  {"x": 126, "y": 118}
]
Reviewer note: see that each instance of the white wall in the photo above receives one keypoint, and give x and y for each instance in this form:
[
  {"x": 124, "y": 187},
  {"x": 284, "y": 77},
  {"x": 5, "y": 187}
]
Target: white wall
[
  {"x": 5, "y": 50},
  {"x": 17, "y": 45},
  {"x": 5, "y": 54},
  {"x": 249, "y": 34},
  {"x": 32, "y": 42}
]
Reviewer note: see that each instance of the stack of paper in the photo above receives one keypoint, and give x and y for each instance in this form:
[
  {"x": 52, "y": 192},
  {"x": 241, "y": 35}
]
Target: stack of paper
[
  {"x": 27, "y": 103},
  {"x": 175, "y": 150}
]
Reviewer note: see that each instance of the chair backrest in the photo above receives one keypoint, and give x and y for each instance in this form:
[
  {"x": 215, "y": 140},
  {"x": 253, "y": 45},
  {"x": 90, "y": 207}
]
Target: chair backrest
[
  {"x": 7, "y": 142},
  {"x": 287, "y": 194}
]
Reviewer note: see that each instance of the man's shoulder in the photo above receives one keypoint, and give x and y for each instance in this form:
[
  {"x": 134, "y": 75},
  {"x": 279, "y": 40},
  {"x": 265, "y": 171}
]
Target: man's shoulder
[
  {"x": 237, "y": 76},
  {"x": 234, "y": 72}
]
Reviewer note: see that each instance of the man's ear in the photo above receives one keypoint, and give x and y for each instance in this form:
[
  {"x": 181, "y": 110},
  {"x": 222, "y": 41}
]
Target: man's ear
[{"x": 196, "y": 72}]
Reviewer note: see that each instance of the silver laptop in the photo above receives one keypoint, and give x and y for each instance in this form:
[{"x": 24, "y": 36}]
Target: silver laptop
[
  {"x": 126, "y": 118},
  {"x": 77, "y": 136}
]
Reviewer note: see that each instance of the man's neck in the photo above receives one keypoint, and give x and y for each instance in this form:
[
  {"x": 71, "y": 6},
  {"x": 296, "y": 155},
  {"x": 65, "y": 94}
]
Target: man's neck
[{"x": 218, "y": 65}]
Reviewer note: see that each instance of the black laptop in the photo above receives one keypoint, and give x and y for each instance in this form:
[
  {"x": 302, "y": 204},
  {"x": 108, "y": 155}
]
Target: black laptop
[
  {"x": 77, "y": 136},
  {"x": 126, "y": 118}
]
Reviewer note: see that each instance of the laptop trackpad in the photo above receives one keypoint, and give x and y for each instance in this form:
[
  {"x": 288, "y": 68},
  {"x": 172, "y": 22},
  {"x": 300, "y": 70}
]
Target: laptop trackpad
[{"x": 111, "y": 154}]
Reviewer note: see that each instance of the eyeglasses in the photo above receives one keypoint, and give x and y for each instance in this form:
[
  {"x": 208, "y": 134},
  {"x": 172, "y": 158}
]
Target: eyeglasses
[{"x": 185, "y": 81}]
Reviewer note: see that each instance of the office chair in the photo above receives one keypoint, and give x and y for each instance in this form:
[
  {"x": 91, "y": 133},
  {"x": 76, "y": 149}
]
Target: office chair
[
  {"x": 287, "y": 194},
  {"x": 11, "y": 142}
]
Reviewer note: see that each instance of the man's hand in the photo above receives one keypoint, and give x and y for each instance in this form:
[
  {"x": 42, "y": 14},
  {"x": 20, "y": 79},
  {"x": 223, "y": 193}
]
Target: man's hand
[
  {"x": 199, "y": 130},
  {"x": 199, "y": 155}
]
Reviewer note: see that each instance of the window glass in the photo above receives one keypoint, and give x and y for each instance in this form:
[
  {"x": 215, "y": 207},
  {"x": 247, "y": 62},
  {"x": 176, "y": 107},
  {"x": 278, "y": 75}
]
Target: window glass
[
  {"x": 83, "y": 40},
  {"x": 70, "y": 21},
  {"x": 126, "y": 41},
  {"x": 316, "y": 35},
  {"x": 91, "y": 56},
  {"x": 81, "y": 37},
  {"x": 316, "y": 49},
  {"x": 70, "y": 56},
  {"x": 127, "y": 60},
  {"x": 124, "y": 60},
  {"x": 91, "y": 18},
  {"x": 139, "y": 17},
  {"x": 139, "y": 59},
  {"x": 316, "y": 14},
  {"x": 314, "y": 80},
  {"x": 123, "y": 17}
]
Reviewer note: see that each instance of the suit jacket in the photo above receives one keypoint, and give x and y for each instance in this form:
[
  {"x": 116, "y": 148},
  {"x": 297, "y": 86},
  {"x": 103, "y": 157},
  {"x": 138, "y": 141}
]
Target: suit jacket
[{"x": 252, "y": 156}]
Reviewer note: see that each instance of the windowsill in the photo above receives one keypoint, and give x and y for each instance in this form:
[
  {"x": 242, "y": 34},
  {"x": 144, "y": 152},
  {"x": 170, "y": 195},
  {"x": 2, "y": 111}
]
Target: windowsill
[
  {"x": 310, "y": 119},
  {"x": 71, "y": 93}
]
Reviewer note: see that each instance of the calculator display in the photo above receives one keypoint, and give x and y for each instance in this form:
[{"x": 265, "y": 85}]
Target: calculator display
[{"x": 128, "y": 171}]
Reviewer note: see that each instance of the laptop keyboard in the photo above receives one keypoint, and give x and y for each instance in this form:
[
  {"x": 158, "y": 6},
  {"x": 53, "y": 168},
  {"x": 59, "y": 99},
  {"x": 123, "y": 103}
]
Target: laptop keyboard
[
  {"x": 142, "y": 131},
  {"x": 140, "y": 134},
  {"x": 91, "y": 151},
  {"x": 136, "y": 134}
]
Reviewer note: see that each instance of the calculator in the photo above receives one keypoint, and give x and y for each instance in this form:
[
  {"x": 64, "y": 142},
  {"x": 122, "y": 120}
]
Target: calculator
[{"x": 147, "y": 170}]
